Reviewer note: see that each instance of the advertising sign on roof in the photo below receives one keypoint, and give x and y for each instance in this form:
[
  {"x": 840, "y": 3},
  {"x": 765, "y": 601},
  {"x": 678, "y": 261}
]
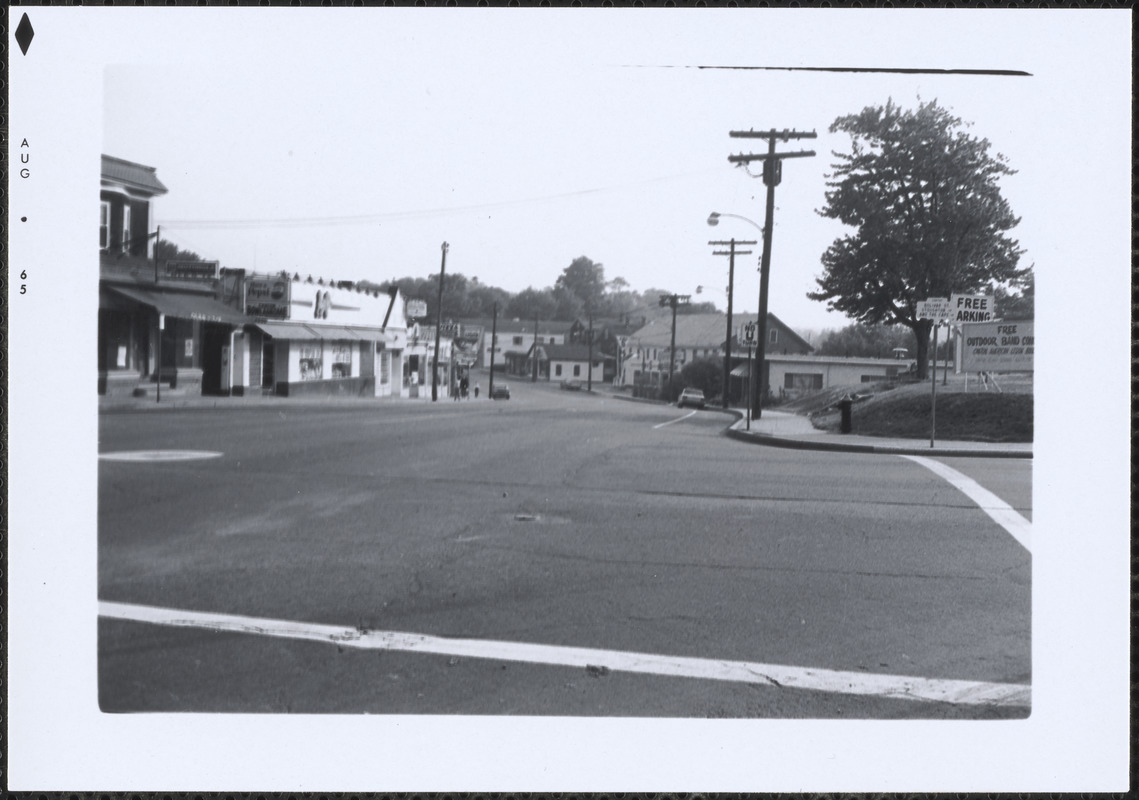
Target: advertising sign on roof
[
  {"x": 416, "y": 309},
  {"x": 267, "y": 296},
  {"x": 997, "y": 347},
  {"x": 970, "y": 308}
]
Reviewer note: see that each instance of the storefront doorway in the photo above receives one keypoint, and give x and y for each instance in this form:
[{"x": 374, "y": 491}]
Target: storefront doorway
[{"x": 214, "y": 338}]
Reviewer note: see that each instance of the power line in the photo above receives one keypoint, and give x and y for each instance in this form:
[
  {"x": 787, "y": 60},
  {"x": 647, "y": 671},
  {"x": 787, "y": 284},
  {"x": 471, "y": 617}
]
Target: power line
[{"x": 395, "y": 216}]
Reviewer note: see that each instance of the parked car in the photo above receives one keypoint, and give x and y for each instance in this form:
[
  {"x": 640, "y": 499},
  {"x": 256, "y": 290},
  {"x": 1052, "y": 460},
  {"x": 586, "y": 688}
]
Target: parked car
[
  {"x": 691, "y": 397},
  {"x": 571, "y": 386},
  {"x": 500, "y": 392}
]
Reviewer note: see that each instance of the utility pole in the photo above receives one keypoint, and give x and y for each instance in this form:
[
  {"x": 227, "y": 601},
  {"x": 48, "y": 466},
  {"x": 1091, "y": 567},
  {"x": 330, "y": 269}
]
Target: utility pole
[
  {"x": 731, "y": 253},
  {"x": 438, "y": 327},
  {"x": 772, "y": 175},
  {"x": 534, "y": 350},
  {"x": 161, "y": 323},
  {"x": 589, "y": 365},
  {"x": 673, "y": 300},
  {"x": 493, "y": 341}
]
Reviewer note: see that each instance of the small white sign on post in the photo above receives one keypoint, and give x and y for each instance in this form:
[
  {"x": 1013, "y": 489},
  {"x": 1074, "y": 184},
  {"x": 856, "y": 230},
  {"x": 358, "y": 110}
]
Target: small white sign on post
[
  {"x": 970, "y": 308},
  {"x": 937, "y": 309}
]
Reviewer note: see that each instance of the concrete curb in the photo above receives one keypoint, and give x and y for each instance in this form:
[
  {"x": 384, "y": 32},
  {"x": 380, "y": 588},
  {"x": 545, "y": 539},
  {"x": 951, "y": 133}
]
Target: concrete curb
[{"x": 841, "y": 447}]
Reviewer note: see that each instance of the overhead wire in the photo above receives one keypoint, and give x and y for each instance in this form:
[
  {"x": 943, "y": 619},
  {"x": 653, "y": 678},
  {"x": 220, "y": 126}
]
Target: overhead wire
[{"x": 392, "y": 216}]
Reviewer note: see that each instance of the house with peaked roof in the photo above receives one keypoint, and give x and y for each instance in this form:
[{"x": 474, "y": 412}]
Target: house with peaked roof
[
  {"x": 567, "y": 362},
  {"x": 513, "y": 341}
]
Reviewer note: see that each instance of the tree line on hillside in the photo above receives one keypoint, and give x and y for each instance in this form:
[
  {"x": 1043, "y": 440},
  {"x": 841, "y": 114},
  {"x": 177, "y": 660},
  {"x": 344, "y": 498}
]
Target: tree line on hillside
[{"x": 580, "y": 290}]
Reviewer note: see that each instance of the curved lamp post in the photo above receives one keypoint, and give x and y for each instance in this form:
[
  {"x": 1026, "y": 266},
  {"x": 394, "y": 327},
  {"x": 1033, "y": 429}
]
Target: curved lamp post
[{"x": 757, "y": 381}]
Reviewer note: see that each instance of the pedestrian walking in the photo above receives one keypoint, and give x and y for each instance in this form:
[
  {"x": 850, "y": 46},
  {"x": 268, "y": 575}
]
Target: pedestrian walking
[{"x": 476, "y": 390}]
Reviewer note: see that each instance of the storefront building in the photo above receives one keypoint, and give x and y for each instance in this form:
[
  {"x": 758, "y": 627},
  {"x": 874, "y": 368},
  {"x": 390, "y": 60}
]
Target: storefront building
[
  {"x": 160, "y": 325},
  {"x": 194, "y": 327},
  {"x": 310, "y": 337}
]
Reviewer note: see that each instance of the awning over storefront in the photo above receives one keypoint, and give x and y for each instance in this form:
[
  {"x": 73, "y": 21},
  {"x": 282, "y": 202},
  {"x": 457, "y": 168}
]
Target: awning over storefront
[
  {"x": 285, "y": 330},
  {"x": 181, "y": 305},
  {"x": 740, "y": 372},
  {"x": 334, "y": 333}
]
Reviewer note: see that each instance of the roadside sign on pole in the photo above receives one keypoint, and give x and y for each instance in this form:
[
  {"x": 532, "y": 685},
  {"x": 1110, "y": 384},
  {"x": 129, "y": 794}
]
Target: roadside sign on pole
[
  {"x": 970, "y": 308},
  {"x": 937, "y": 309}
]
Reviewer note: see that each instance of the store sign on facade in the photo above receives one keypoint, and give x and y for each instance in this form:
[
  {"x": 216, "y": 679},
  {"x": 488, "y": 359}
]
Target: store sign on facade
[
  {"x": 267, "y": 297},
  {"x": 192, "y": 270}
]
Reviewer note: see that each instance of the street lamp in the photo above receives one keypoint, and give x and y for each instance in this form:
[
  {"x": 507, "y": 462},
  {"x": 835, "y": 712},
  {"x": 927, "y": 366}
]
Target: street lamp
[{"x": 755, "y": 381}]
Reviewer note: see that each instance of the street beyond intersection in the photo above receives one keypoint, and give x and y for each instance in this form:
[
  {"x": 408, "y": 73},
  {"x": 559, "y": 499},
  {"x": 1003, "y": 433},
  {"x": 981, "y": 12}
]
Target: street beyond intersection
[{"x": 594, "y": 531}]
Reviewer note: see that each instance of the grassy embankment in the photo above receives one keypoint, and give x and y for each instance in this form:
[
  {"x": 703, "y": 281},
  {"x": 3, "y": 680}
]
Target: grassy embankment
[{"x": 967, "y": 413}]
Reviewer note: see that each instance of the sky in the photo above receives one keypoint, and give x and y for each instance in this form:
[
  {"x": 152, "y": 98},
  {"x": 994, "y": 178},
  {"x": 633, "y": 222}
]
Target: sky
[
  {"x": 526, "y": 138},
  {"x": 353, "y": 151}
]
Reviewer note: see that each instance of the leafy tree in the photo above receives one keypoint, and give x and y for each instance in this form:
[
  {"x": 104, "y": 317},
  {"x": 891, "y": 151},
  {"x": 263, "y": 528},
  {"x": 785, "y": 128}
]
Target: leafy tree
[
  {"x": 585, "y": 280},
  {"x": 705, "y": 374},
  {"x": 569, "y": 305},
  {"x": 1022, "y": 305},
  {"x": 924, "y": 198},
  {"x": 532, "y": 302}
]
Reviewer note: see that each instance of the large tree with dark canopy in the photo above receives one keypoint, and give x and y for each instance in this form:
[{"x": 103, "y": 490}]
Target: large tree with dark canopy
[{"x": 924, "y": 199}]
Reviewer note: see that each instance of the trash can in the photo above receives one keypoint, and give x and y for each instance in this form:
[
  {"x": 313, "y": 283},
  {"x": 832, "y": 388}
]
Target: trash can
[{"x": 844, "y": 406}]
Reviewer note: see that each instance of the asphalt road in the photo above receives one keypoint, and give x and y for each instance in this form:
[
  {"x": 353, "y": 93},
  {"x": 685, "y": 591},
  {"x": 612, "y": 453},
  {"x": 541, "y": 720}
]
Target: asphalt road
[{"x": 555, "y": 519}]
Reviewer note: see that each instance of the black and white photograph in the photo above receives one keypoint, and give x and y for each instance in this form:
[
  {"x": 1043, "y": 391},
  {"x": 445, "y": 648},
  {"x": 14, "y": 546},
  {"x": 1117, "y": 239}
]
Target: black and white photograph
[{"x": 541, "y": 399}]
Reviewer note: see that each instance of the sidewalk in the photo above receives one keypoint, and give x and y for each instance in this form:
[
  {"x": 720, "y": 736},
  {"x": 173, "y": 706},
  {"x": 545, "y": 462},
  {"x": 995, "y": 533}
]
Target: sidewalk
[
  {"x": 175, "y": 400},
  {"x": 780, "y": 429}
]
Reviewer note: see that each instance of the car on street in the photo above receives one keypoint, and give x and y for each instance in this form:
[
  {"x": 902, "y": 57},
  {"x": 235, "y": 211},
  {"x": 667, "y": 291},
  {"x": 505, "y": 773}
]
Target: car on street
[
  {"x": 571, "y": 386},
  {"x": 500, "y": 392},
  {"x": 691, "y": 397}
]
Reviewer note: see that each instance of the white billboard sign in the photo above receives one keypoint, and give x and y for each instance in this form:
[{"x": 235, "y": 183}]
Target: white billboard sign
[
  {"x": 935, "y": 308},
  {"x": 416, "y": 309},
  {"x": 970, "y": 308},
  {"x": 997, "y": 347}
]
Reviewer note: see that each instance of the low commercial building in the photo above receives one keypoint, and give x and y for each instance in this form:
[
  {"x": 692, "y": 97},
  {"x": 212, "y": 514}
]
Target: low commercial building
[
  {"x": 194, "y": 327},
  {"x": 308, "y": 337}
]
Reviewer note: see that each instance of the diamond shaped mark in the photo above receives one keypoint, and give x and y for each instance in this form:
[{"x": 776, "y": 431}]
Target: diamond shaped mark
[{"x": 24, "y": 34}]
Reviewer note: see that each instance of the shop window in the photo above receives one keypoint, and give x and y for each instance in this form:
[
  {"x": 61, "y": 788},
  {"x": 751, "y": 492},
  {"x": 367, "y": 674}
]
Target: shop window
[
  {"x": 576, "y": 370},
  {"x": 557, "y": 370},
  {"x": 104, "y": 225},
  {"x": 802, "y": 382},
  {"x": 341, "y": 360},
  {"x": 873, "y": 378},
  {"x": 126, "y": 228},
  {"x": 517, "y": 340},
  {"x": 312, "y": 361},
  {"x": 773, "y": 336}
]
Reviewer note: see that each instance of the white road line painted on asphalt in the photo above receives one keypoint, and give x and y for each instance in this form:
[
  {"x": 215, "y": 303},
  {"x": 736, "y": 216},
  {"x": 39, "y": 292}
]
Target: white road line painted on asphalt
[
  {"x": 678, "y": 419},
  {"x": 150, "y": 456},
  {"x": 901, "y": 687},
  {"x": 1001, "y": 512}
]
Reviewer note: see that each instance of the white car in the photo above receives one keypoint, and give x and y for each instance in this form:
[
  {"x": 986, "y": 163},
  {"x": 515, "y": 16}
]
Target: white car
[{"x": 691, "y": 397}]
